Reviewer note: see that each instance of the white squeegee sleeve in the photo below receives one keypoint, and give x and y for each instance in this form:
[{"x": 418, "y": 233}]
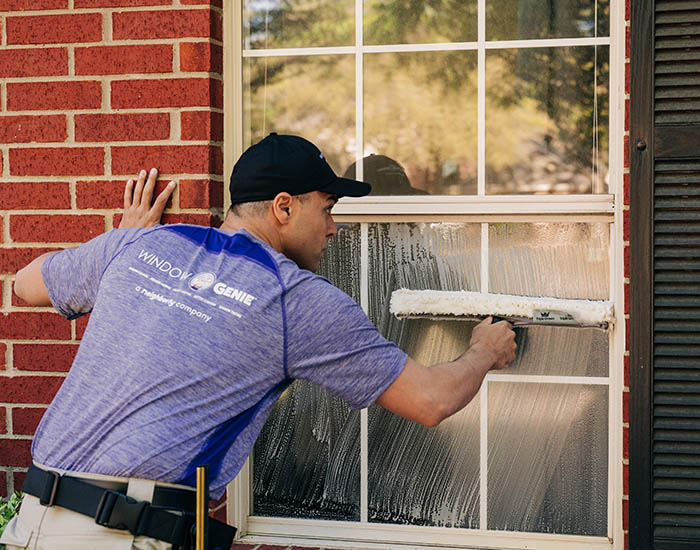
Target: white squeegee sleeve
[{"x": 405, "y": 302}]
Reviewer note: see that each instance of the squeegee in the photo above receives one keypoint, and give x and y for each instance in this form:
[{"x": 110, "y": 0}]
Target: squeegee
[{"x": 519, "y": 310}]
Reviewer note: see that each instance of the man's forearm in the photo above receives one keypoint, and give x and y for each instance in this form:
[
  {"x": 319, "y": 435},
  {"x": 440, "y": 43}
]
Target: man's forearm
[{"x": 457, "y": 382}]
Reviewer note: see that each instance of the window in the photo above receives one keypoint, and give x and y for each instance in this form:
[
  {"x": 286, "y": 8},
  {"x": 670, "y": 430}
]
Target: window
[{"x": 484, "y": 127}]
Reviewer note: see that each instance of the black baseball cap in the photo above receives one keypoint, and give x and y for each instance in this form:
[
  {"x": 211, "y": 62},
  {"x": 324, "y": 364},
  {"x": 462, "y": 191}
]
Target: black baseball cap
[{"x": 292, "y": 164}]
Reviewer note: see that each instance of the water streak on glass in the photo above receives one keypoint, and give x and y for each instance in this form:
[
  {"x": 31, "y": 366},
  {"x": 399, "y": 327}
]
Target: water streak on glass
[
  {"x": 306, "y": 462},
  {"x": 548, "y": 458},
  {"x": 547, "y": 120},
  {"x": 311, "y": 96},
  {"x": 419, "y": 21},
  {"x": 298, "y": 23},
  {"x": 562, "y": 261},
  {"x": 417, "y": 475},
  {"x": 420, "y": 110},
  {"x": 536, "y": 19}
]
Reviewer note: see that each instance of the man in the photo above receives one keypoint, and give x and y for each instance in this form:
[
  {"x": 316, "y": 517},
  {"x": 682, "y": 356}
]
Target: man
[{"x": 194, "y": 333}]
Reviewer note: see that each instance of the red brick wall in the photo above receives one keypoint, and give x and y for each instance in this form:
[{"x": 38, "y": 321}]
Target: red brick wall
[{"x": 91, "y": 91}]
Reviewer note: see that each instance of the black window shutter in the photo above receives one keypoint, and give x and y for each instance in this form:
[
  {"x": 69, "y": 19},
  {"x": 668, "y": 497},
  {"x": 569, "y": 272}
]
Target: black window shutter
[{"x": 665, "y": 275}]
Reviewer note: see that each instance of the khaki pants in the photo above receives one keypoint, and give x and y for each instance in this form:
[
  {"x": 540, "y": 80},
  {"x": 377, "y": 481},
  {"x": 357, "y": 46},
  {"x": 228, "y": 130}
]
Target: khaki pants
[{"x": 38, "y": 527}]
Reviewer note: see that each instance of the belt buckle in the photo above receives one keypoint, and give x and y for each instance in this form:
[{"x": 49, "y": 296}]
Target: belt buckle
[
  {"x": 48, "y": 493},
  {"x": 119, "y": 511}
]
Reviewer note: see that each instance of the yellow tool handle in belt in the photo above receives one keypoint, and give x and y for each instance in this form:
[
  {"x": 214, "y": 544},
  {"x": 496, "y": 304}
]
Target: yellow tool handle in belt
[{"x": 202, "y": 525}]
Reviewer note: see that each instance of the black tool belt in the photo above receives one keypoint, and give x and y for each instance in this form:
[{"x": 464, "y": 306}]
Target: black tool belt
[{"x": 115, "y": 510}]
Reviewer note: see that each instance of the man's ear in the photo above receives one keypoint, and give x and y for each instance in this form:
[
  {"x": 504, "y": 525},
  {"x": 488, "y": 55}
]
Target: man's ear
[{"x": 281, "y": 207}]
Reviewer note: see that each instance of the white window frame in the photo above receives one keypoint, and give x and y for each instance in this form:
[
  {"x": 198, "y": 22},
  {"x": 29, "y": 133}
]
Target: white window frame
[{"x": 480, "y": 208}]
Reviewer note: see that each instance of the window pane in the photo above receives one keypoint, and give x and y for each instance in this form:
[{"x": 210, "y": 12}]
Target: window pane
[
  {"x": 310, "y": 96},
  {"x": 421, "y": 111},
  {"x": 559, "y": 260},
  {"x": 306, "y": 462},
  {"x": 563, "y": 260},
  {"x": 548, "y": 458},
  {"x": 531, "y": 19},
  {"x": 419, "y": 21},
  {"x": 547, "y": 120},
  {"x": 298, "y": 23},
  {"x": 417, "y": 475}
]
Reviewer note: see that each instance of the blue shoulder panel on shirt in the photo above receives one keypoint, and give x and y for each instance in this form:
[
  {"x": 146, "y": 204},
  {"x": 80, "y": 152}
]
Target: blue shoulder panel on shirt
[{"x": 216, "y": 241}]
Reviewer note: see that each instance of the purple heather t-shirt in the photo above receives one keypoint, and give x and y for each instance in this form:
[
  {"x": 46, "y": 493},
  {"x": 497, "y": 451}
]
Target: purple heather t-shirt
[{"x": 194, "y": 334}]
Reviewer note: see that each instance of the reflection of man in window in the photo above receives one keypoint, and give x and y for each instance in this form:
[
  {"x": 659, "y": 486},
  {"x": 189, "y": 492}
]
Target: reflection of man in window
[{"x": 386, "y": 176}]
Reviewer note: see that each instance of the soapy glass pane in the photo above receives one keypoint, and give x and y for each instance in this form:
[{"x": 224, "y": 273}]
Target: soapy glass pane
[
  {"x": 306, "y": 462},
  {"x": 417, "y": 475},
  {"x": 560, "y": 260},
  {"x": 533, "y": 19},
  {"x": 547, "y": 120},
  {"x": 420, "y": 110},
  {"x": 548, "y": 458},
  {"x": 298, "y": 23},
  {"x": 311, "y": 96},
  {"x": 419, "y": 22}
]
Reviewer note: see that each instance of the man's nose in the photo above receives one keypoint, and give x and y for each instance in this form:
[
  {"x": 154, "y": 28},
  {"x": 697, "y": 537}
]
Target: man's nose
[{"x": 332, "y": 229}]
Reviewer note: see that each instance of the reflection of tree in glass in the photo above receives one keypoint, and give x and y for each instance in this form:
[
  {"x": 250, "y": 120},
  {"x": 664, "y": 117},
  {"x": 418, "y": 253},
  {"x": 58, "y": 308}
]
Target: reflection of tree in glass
[
  {"x": 298, "y": 23},
  {"x": 546, "y": 129},
  {"x": 419, "y": 21}
]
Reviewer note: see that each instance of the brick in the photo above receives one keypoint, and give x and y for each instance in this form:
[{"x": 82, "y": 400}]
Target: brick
[
  {"x": 140, "y": 25},
  {"x": 57, "y": 161},
  {"x": 626, "y": 407},
  {"x": 627, "y": 152},
  {"x": 626, "y": 225},
  {"x": 201, "y": 194},
  {"x": 33, "y": 129},
  {"x": 626, "y": 367},
  {"x": 626, "y": 189},
  {"x": 3, "y": 355},
  {"x": 18, "y": 479},
  {"x": 29, "y": 389},
  {"x": 625, "y": 479},
  {"x": 180, "y": 92},
  {"x": 25, "y": 420},
  {"x": 21, "y": 5},
  {"x": 45, "y": 96},
  {"x": 15, "y": 452},
  {"x": 627, "y": 78},
  {"x": 20, "y": 63},
  {"x": 626, "y": 260},
  {"x": 206, "y": 220},
  {"x": 170, "y": 159},
  {"x": 23, "y": 195},
  {"x": 56, "y": 227},
  {"x": 625, "y": 514},
  {"x": 13, "y": 259},
  {"x": 201, "y": 56},
  {"x": 109, "y": 194},
  {"x": 54, "y": 29},
  {"x": 99, "y": 60},
  {"x": 4, "y": 491},
  {"x": 119, "y": 3},
  {"x": 202, "y": 125},
  {"x": 627, "y": 115},
  {"x": 80, "y": 325},
  {"x": 30, "y": 325},
  {"x": 627, "y": 42},
  {"x": 44, "y": 357},
  {"x": 122, "y": 127},
  {"x": 625, "y": 442},
  {"x": 215, "y": 3},
  {"x": 3, "y": 420}
]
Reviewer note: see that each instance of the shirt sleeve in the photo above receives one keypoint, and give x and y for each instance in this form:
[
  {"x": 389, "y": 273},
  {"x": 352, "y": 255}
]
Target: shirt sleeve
[
  {"x": 72, "y": 277},
  {"x": 331, "y": 342}
]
